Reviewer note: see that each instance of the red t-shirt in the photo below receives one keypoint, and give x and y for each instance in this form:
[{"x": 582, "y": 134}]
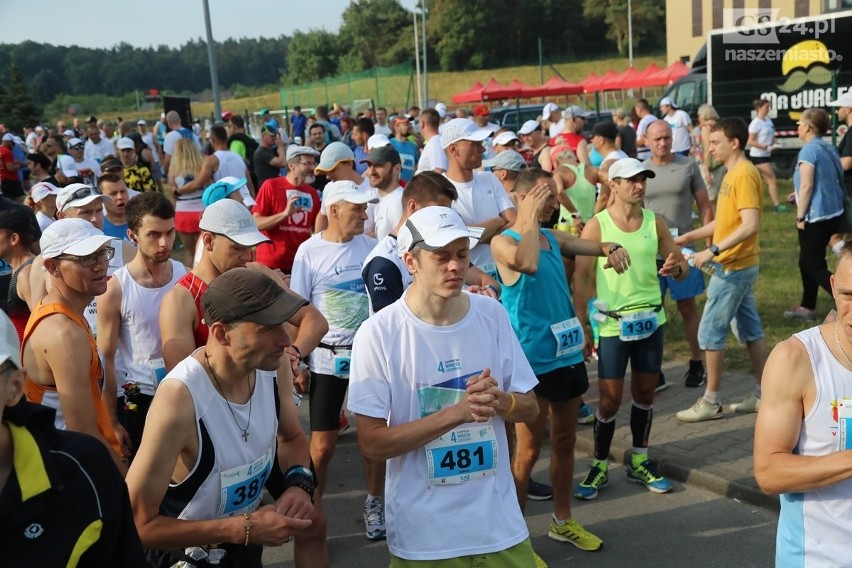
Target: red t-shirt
[
  {"x": 6, "y": 157},
  {"x": 570, "y": 139},
  {"x": 296, "y": 229}
]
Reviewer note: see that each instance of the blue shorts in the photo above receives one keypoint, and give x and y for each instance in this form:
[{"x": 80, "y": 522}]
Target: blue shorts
[
  {"x": 730, "y": 301},
  {"x": 689, "y": 287},
  {"x": 645, "y": 355}
]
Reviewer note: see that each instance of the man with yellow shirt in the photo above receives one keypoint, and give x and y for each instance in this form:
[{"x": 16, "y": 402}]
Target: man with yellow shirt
[{"x": 730, "y": 294}]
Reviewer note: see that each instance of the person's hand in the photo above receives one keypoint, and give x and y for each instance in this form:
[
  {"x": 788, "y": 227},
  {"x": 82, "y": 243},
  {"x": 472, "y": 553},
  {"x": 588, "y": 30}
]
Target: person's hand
[
  {"x": 295, "y": 503},
  {"x": 578, "y": 224},
  {"x": 671, "y": 266},
  {"x": 483, "y": 291},
  {"x": 701, "y": 257},
  {"x": 483, "y": 396},
  {"x": 618, "y": 260},
  {"x": 302, "y": 381},
  {"x": 531, "y": 206},
  {"x": 124, "y": 441},
  {"x": 291, "y": 205},
  {"x": 271, "y": 528},
  {"x": 681, "y": 240},
  {"x": 800, "y": 225}
]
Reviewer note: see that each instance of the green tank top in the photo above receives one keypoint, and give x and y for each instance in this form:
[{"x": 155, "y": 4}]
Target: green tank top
[
  {"x": 582, "y": 194},
  {"x": 637, "y": 289}
]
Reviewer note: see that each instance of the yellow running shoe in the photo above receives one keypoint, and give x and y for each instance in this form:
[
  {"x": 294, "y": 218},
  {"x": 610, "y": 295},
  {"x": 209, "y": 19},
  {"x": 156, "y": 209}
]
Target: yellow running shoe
[{"x": 572, "y": 532}]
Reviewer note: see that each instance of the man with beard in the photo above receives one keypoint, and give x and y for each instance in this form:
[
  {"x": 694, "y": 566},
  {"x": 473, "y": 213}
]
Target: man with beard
[
  {"x": 128, "y": 313},
  {"x": 383, "y": 171}
]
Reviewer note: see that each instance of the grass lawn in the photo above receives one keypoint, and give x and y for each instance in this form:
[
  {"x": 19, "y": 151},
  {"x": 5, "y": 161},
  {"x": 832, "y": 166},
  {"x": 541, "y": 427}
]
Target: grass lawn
[{"x": 778, "y": 288}]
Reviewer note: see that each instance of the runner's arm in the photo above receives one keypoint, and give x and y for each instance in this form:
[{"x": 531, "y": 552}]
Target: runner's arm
[
  {"x": 178, "y": 318},
  {"x": 293, "y": 447},
  {"x": 109, "y": 324}
]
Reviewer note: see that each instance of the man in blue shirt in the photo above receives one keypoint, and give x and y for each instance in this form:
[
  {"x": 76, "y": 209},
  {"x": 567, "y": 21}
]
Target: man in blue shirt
[{"x": 405, "y": 148}]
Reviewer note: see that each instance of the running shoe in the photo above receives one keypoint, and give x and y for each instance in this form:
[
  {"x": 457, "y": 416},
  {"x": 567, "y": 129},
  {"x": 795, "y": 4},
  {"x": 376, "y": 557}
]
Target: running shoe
[
  {"x": 574, "y": 533},
  {"x": 695, "y": 376},
  {"x": 586, "y": 415},
  {"x": 539, "y": 491},
  {"x": 661, "y": 383},
  {"x": 374, "y": 520},
  {"x": 343, "y": 423},
  {"x": 780, "y": 208},
  {"x": 701, "y": 411},
  {"x": 750, "y": 404},
  {"x": 645, "y": 474},
  {"x": 539, "y": 561},
  {"x": 595, "y": 480},
  {"x": 798, "y": 312}
]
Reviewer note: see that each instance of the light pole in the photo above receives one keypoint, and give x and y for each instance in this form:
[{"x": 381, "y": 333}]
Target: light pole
[
  {"x": 425, "y": 66},
  {"x": 630, "y": 33},
  {"x": 417, "y": 61},
  {"x": 214, "y": 75}
]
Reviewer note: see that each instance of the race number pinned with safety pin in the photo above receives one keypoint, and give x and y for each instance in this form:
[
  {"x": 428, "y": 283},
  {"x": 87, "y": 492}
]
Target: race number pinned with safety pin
[
  {"x": 569, "y": 337},
  {"x": 637, "y": 325},
  {"x": 463, "y": 454},
  {"x": 341, "y": 362}
]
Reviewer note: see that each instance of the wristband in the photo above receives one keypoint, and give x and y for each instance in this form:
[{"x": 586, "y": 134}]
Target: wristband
[
  {"x": 613, "y": 248},
  {"x": 301, "y": 477},
  {"x": 296, "y": 348},
  {"x": 511, "y": 406},
  {"x": 249, "y": 524},
  {"x": 800, "y": 219}
]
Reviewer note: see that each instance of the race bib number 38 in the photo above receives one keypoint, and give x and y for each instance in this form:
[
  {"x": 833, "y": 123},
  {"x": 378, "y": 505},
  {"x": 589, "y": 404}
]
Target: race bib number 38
[
  {"x": 242, "y": 487},
  {"x": 463, "y": 454}
]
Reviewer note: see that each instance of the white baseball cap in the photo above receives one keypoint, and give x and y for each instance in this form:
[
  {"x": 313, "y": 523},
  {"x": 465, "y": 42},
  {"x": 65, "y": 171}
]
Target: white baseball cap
[
  {"x": 574, "y": 111},
  {"x": 549, "y": 109},
  {"x": 77, "y": 237},
  {"x": 231, "y": 219},
  {"x": 505, "y": 138},
  {"x": 10, "y": 346},
  {"x": 332, "y": 155},
  {"x": 8, "y": 137},
  {"x": 69, "y": 133},
  {"x": 844, "y": 100},
  {"x": 377, "y": 141},
  {"x": 528, "y": 127},
  {"x": 42, "y": 189},
  {"x": 66, "y": 165},
  {"x": 345, "y": 190},
  {"x": 506, "y": 160},
  {"x": 125, "y": 144},
  {"x": 463, "y": 129},
  {"x": 667, "y": 101},
  {"x": 141, "y": 122},
  {"x": 78, "y": 195},
  {"x": 75, "y": 142},
  {"x": 441, "y": 109},
  {"x": 432, "y": 228},
  {"x": 626, "y": 168}
]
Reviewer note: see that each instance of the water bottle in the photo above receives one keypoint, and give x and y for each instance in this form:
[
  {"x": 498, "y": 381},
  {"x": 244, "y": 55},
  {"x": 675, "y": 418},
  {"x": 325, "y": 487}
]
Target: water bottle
[
  {"x": 601, "y": 308},
  {"x": 711, "y": 267}
]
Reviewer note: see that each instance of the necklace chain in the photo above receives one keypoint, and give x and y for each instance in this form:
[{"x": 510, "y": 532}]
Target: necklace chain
[
  {"x": 837, "y": 340},
  {"x": 245, "y": 432}
]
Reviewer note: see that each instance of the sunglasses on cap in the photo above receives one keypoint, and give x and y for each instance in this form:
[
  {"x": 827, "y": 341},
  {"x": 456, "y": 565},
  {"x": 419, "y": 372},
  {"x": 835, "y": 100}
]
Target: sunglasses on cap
[{"x": 84, "y": 192}]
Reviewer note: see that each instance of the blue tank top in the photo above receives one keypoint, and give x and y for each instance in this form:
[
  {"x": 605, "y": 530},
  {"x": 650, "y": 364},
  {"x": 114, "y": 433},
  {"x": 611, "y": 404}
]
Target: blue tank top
[{"x": 535, "y": 303}]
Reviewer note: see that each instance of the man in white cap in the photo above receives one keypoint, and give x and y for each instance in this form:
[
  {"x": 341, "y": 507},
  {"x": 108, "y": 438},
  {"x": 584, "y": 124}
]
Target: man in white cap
[
  {"x": 78, "y": 481},
  {"x": 553, "y": 114},
  {"x": 843, "y": 104},
  {"x": 505, "y": 140},
  {"x": 327, "y": 272},
  {"x": 44, "y": 195},
  {"x": 433, "y": 157},
  {"x": 137, "y": 176},
  {"x": 680, "y": 123},
  {"x": 532, "y": 135},
  {"x": 435, "y": 377},
  {"x": 286, "y": 209},
  {"x": 633, "y": 328},
  {"x": 88, "y": 170},
  {"x": 506, "y": 165},
  {"x": 64, "y": 368},
  {"x": 441, "y": 109},
  {"x": 228, "y": 235},
  {"x": 482, "y": 200}
]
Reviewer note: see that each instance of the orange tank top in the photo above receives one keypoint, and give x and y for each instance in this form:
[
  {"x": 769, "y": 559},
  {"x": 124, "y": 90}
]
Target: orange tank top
[{"x": 48, "y": 396}]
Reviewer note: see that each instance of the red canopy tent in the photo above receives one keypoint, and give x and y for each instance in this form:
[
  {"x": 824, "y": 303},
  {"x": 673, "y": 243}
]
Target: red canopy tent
[
  {"x": 592, "y": 84},
  {"x": 472, "y": 95},
  {"x": 554, "y": 87},
  {"x": 649, "y": 70},
  {"x": 495, "y": 91},
  {"x": 624, "y": 80},
  {"x": 668, "y": 75}
]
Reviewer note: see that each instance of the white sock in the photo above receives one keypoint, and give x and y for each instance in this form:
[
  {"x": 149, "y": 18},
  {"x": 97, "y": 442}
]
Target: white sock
[
  {"x": 558, "y": 522},
  {"x": 372, "y": 499},
  {"x": 711, "y": 396}
]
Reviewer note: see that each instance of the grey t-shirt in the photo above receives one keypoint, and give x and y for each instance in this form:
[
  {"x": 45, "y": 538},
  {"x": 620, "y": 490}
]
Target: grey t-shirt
[{"x": 672, "y": 192}]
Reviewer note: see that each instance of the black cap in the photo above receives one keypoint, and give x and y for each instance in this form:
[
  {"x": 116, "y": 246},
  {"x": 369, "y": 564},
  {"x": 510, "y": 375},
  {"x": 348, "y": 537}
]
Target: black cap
[
  {"x": 243, "y": 294},
  {"x": 17, "y": 221},
  {"x": 39, "y": 159},
  {"x": 606, "y": 129},
  {"x": 111, "y": 163},
  {"x": 382, "y": 155}
]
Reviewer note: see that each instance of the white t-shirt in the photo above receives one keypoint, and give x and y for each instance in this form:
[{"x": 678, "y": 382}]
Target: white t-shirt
[
  {"x": 680, "y": 123},
  {"x": 99, "y": 151},
  {"x": 404, "y": 369},
  {"x": 329, "y": 276},
  {"x": 43, "y": 220},
  {"x": 388, "y": 213},
  {"x": 383, "y": 129},
  {"x": 615, "y": 155},
  {"x": 148, "y": 138},
  {"x": 643, "y": 152},
  {"x": 433, "y": 156},
  {"x": 482, "y": 199},
  {"x": 765, "y": 130},
  {"x": 172, "y": 138},
  {"x": 89, "y": 170}
]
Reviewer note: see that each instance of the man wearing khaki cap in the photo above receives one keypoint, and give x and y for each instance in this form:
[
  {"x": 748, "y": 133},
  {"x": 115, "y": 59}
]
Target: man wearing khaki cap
[
  {"x": 64, "y": 368},
  {"x": 228, "y": 410}
]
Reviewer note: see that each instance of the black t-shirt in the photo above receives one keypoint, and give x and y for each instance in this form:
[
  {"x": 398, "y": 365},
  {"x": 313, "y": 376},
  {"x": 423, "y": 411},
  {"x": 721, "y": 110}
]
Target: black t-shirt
[
  {"x": 5, "y": 267},
  {"x": 845, "y": 148},
  {"x": 628, "y": 140},
  {"x": 262, "y": 168}
]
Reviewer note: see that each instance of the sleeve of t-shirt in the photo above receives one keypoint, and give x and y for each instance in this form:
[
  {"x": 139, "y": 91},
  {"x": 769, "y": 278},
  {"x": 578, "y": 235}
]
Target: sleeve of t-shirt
[
  {"x": 384, "y": 282},
  {"x": 169, "y": 144},
  {"x": 238, "y": 148},
  {"x": 369, "y": 377},
  {"x": 808, "y": 154},
  {"x": 503, "y": 201},
  {"x": 754, "y": 126},
  {"x": 846, "y": 151},
  {"x": 747, "y": 188},
  {"x": 300, "y": 277},
  {"x": 263, "y": 202}
]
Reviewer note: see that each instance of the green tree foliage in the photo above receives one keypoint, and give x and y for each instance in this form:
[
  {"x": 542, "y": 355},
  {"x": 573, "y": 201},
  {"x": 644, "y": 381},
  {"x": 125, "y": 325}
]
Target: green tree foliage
[
  {"x": 312, "y": 55},
  {"x": 376, "y": 33},
  {"x": 649, "y": 21},
  {"x": 16, "y": 105}
]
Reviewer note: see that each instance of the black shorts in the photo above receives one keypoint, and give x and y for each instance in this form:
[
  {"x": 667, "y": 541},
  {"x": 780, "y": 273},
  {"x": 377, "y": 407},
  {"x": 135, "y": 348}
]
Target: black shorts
[
  {"x": 11, "y": 188},
  {"x": 759, "y": 160},
  {"x": 563, "y": 384},
  {"x": 327, "y": 394},
  {"x": 645, "y": 355}
]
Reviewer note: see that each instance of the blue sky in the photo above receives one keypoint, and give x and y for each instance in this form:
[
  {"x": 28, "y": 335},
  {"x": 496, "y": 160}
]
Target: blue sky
[{"x": 99, "y": 23}]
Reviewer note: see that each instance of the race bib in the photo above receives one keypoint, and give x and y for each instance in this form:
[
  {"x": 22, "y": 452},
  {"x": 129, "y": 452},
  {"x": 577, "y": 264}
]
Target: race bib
[
  {"x": 303, "y": 200},
  {"x": 341, "y": 363},
  {"x": 844, "y": 420},
  {"x": 157, "y": 370},
  {"x": 463, "y": 454},
  {"x": 569, "y": 337},
  {"x": 242, "y": 487},
  {"x": 637, "y": 325}
]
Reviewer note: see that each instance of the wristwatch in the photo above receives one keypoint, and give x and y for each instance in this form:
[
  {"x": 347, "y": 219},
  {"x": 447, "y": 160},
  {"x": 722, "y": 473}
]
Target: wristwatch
[
  {"x": 715, "y": 250},
  {"x": 301, "y": 477}
]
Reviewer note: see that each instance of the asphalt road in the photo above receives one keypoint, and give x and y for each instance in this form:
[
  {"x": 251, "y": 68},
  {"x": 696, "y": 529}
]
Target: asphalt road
[{"x": 689, "y": 527}]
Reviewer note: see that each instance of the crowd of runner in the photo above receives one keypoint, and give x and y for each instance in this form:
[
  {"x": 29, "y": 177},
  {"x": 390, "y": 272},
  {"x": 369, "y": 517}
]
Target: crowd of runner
[{"x": 451, "y": 277}]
